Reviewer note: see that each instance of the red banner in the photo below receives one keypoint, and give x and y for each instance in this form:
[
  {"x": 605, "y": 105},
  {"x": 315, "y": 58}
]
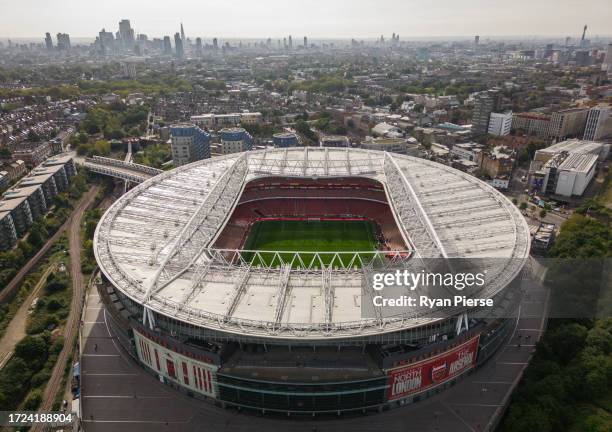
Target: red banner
[{"x": 430, "y": 372}]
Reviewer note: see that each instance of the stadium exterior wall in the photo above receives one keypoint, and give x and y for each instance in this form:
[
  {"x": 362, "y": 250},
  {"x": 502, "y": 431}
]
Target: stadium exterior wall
[{"x": 200, "y": 373}]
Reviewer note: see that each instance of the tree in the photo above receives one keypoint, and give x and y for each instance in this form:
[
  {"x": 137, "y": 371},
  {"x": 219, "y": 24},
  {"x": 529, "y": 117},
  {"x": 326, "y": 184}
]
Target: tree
[
  {"x": 527, "y": 418},
  {"x": 33, "y": 136},
  {"x": 33, "y": 400},
  {"x": 542, "y": 214},
  {"x": 303, "y": 128},
  {"x": 37, "y": 235},
  {"x": 523, "y": 206},
  {"x": 101, "y": 148},
  {"x": 32, "y": 349},
  {"x": 567, "y": 341},
  {"x": 5, "y": 153}
]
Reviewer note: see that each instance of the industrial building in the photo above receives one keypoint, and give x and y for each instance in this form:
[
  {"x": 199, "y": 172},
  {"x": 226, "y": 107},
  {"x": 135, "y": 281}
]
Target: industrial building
[{"x": 566, "y": 168}]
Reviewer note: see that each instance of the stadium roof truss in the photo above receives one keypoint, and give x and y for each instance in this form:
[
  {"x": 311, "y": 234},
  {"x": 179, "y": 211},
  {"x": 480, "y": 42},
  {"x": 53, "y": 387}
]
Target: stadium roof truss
[{"x": 155, "y": 244}]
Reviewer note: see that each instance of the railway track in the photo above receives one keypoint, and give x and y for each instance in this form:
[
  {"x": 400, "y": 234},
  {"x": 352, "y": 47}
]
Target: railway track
[{"x": 78, "y": 289}]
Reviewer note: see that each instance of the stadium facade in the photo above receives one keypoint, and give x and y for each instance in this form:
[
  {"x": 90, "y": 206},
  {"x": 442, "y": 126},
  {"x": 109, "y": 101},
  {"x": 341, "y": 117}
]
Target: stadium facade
[{"x": 283, "y": 331}]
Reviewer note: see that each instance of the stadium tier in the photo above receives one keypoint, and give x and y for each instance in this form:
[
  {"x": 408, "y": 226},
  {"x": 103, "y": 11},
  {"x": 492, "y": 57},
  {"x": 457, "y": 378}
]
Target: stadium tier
[{"x": 240, "y": 279}]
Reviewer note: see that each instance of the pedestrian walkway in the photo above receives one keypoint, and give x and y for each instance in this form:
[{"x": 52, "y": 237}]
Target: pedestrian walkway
[{"x": 118, "y": 395}]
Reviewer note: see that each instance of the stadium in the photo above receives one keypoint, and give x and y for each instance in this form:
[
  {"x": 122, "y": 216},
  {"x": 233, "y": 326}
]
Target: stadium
[{"x": 240, "y": 279}]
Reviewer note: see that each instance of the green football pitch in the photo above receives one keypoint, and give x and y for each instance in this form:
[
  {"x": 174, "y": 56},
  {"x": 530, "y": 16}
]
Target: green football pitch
[{"x": 310, "y": 236}]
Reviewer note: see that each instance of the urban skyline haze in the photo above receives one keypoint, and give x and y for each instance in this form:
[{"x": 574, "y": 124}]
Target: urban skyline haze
[{"x": 318, "y": 18}]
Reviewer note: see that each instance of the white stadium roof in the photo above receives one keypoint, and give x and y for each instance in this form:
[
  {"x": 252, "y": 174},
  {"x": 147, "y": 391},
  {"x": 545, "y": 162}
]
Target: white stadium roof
[{"x": 155, "y": 243}]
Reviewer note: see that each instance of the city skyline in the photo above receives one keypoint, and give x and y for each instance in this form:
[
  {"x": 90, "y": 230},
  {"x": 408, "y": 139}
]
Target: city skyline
[{"x": 341, "y": 19}]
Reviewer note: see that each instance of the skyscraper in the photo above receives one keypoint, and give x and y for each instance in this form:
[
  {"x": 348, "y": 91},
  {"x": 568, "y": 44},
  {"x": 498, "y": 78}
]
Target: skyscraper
[
  {"x": 178, "y": 46},
  {"x": 167, "y": 46},
  {"x": 305, "y": 42},
  {"x": 476, "y": 40},
  {"x": 107, "y": 41},
  {"x": 63, "y": 41},
  {"x": 608, "y": 59},
  {"x": 127, "y": 34},
  {"x": 215, "y": 43},
  {"x": 198, "y": 47},
  {"x": 48, "y": 41},
  {"x": 290, "y": 42},
  {"x": 182, "y": 33}
]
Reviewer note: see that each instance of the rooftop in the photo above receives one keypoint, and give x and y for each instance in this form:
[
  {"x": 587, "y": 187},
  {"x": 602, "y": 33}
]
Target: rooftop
[
  {"x": 578, "y": 163},
  {"x": 154, "y": 243},
  {"x": 575, "y": 146}
]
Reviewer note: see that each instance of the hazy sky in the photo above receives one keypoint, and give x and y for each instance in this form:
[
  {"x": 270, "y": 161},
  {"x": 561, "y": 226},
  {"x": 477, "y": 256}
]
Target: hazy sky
[{"x": 315, "y": 18}]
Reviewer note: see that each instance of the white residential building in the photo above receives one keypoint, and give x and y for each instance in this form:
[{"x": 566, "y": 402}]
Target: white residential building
[{"x": 500, "y": 123}]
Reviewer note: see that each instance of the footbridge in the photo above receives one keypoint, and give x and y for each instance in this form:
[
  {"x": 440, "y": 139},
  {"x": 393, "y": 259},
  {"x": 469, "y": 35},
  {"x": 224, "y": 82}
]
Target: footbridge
[{"x": 123, "y": 170}]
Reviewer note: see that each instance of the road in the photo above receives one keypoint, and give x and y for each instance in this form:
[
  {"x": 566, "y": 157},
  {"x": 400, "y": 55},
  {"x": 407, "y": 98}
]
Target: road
[
  {"x": 118, "y": 395},
  {"x": 72, "y": 323},
  {"x": 16, "y": 329}
]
